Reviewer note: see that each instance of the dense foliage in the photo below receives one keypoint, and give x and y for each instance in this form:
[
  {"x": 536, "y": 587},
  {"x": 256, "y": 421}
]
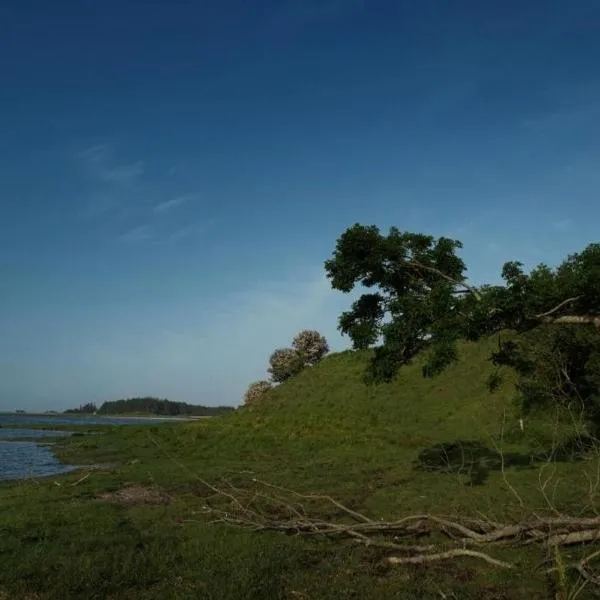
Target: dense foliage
[
  {"x": 308, "y": 348},
  {"x": 422, "y": 302},
  {"x": 256, "y": 391},
  {"x": 153, "y": 406},
  {"x": 285, "y": 363},
  {"x": 311, "y": 345}
]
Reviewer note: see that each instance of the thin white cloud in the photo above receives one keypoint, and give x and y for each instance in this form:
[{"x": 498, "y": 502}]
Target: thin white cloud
[
  {"x": 100, "y": 162},
  {"x": 124, "y": 173},
  {"x": 190, "y": 230},
  {"x": 176, "y": 170},
  {"x": 138, "y": 234},
  {"x": 168, "y": 205}
]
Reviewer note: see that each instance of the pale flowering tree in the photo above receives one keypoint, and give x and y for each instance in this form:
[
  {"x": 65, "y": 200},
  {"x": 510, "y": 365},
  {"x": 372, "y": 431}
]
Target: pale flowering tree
[
  {"x": 285, "y": 363},
  {"x": 255, "y": 391},
  {"x": 311, "y": 345}
]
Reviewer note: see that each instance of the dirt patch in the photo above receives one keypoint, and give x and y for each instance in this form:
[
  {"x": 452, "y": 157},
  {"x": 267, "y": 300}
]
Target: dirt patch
[
  {"x": 136, "y": 494},
  {"x": 4, "y": 595}
]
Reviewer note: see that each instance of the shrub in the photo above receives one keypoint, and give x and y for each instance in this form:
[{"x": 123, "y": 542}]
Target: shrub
[
  {"x": 255, "y": 391},
  {"x": 311, "y": 345},
  {"x": 285, "y": 363}
]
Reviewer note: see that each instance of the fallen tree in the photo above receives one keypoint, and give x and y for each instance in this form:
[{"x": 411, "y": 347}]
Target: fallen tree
[{"x": 412, "y": 539}]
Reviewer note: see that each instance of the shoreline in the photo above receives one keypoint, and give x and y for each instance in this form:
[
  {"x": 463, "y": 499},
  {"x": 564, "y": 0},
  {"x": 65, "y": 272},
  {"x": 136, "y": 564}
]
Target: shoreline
[{"x": 105, "y": 416}]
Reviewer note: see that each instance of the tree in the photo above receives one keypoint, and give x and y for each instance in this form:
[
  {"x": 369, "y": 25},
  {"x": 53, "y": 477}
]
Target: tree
[
  {"x": 285, "y": 363},
  {"x": 256, "y": 391},
  {"x": 89, "y": 408},
  {"x": 422, "y": 302},
  {"x": 311, "y": 345}
]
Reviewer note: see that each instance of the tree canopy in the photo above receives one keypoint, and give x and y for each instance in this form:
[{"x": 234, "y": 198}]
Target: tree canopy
[
  {"x": 311, "y": 345},
  {"x": 285, "y": 363},
  {"x": 256, "y": 391},
  {"x": 421, "y": 301}
]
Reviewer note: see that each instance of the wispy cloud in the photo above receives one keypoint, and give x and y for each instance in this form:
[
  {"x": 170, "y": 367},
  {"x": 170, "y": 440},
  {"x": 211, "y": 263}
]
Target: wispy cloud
[
  {"x": 176, "y": 170},
  {"x": 168, "y": 205},
  {"x": 117, "y": 191},
  {"x": 138, "y": 234},
  {"x": 101, "y": 163},
  {"x": 114, "y": 190},
  {"x": 191, "y": 230}
]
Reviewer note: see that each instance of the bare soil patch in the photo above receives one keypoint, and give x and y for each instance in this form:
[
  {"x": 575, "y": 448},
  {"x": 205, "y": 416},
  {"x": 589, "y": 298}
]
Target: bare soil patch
[{"x": 136, "y": 494}]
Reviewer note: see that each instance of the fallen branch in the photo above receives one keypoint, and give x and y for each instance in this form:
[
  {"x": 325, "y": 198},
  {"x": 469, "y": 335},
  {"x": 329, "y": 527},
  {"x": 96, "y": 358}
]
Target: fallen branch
[
  {"x": 457, "y": 537},
  {"x": 415, "y": 560},
  {"x": 278, "y": 509}
]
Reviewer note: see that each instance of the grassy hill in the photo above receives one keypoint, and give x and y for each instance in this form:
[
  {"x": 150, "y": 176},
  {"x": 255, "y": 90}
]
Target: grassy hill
[{"x": 136, "y": 527}]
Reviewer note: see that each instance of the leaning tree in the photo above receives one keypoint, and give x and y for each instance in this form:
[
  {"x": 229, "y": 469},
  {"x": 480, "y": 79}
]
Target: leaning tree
[{"x": 421, "y": 302}]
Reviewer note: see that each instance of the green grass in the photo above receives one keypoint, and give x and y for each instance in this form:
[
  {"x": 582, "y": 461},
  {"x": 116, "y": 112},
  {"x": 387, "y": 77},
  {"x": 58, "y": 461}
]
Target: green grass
[{"x": 324, "y": 431}]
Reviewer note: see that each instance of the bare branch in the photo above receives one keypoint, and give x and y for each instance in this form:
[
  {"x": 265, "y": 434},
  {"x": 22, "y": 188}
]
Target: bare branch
[
  {"x": 415, "y": 560},
  {"x": 573, "y": 320},
  {"x": 576, "y": 537},
  {"x": 464, "y": 536},
  {"x": 347, "y": 510},
  {"x": 467, "y": 288},
  {"x": 558, "y": 307}
]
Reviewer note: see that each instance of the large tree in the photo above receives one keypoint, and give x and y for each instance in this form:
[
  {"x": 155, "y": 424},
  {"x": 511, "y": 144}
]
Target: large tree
[{"x": 421, "y": 301}]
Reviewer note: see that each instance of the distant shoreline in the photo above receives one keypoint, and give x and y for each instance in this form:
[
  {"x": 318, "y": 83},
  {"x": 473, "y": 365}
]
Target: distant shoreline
[{"x": 108, "y": 416}]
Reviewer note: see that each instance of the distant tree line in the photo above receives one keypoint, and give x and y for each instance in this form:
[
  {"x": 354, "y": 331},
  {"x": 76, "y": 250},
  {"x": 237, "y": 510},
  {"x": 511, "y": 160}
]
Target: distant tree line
[
  {"x": 150, "y": 405},
  {"x": 88, "y": 409}
]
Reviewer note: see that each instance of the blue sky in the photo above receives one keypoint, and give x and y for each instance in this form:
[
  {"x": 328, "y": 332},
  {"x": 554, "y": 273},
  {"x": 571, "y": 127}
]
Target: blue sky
[{"x": 174, "y": 174}]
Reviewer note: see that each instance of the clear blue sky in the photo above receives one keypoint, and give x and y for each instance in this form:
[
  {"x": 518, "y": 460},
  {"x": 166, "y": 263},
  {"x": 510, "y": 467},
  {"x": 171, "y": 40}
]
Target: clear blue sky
[{"x": 173, "y": 174}]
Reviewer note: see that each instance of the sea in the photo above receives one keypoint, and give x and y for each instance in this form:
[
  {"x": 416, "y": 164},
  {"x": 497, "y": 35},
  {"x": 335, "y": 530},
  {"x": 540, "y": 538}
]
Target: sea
[{"x": 23, "y": 453}]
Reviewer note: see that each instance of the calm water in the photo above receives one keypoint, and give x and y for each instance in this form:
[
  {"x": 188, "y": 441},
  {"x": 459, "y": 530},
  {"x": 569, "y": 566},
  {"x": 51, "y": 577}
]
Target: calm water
[{"x": 21, "y": 459}]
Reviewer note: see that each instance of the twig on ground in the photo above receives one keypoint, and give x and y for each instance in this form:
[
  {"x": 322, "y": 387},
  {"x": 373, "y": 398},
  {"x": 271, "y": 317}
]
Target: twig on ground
[{"x": 81, "y": 480}]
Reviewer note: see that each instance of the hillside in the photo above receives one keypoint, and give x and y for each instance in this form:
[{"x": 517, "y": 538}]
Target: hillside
[{"x": 412, "y": 446}]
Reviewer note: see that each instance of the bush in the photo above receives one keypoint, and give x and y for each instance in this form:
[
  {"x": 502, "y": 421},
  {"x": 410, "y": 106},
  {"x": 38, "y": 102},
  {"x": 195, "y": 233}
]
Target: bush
[
  {"x": 311, "y": 345},
  {"x": 285, "y": 363},
  {"x": 255, "y": 391}
]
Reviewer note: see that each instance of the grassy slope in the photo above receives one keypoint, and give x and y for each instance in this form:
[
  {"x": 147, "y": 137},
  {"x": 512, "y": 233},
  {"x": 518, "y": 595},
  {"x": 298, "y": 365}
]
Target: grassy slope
[{"x": 324, "y": 431}]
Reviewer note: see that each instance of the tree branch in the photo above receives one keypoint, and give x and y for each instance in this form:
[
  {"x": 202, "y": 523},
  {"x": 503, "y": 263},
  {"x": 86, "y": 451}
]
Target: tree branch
[
  {"x": 415, "y": 560},
  {"x": 573, "y": 320},
  {"x": 467, "y": 288},
  {"x": 558, "y": 307},
  {"x": 455, "y": 537}
]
